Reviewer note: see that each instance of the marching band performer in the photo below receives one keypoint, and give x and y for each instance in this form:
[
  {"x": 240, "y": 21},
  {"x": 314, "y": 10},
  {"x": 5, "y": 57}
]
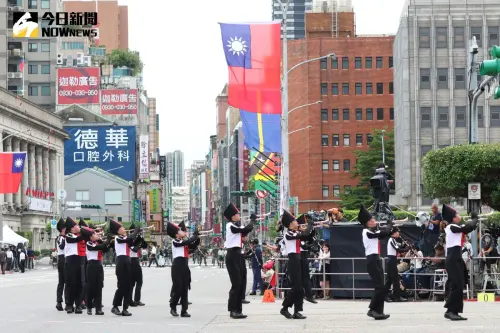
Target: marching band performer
[
  {"x": 60, "y": 243},
  {"x": 136, "y": 269},
  {"x": 82, "y": 252},
  {"x": 191, "y": 247},
  {"x": 455, "y": 236},
  {"x": 293, "y": 237},
  {"x": 234, "y": 234},
  {"x": 371, "y": 241},
  {"x": 123, "y": 243},
  {"x": 95, "y": 272},
  {"x": 73, "y": 267},
  {"x": 304, "y": 262},
  {"x": 393, "y": 248},
  {"x": 180, "y": 273}
]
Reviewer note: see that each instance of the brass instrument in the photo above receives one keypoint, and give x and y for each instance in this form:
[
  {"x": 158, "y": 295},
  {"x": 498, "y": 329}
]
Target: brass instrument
[
  {"x": 205, "y": 233},
  {"x": 141, "y": 229}
]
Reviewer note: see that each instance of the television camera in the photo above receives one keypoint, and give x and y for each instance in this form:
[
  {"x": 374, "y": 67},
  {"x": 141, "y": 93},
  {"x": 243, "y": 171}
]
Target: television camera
[{"x": 380, "y": 185}]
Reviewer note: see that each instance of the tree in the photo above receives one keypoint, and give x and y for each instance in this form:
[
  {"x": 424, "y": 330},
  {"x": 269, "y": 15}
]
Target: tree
[
  {"x": 127, "y": 58},
  {"x": 357, "y": 196},
  {"x": 447, "y": 171},
  {"x": 251, "y": 184}
]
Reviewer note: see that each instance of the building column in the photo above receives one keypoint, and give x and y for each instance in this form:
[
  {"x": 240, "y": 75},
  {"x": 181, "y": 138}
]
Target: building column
[
  {"x": 38, "y": 168},
  {"x": 31, "y": 166},
  {"x": 16, "y": 147},
  {"x": 52, "y": 178},
  {"x": 45, "y": 170},
  {"x": 24, "y": 181},
  {"x": 7, "y": 146}
]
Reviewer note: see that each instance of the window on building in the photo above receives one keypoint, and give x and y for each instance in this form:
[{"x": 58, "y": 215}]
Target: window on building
[
  {"x": 345, "y": 114},
  {"x": 459, "y": 78},
  {"x": 32, "y": 47},
  {"x": 32, "y": 90},
  {"x": 44, "y": 47},
  {"x": 325, "y": 165},
  {"x": 480, "y": 122},
  {"x": 82, "y": 195},
  {"x": 380, "y": 113},
  {"x": 345, "y": 63},
  {"x": 335, "y": 114},
  {"x": 336, "y": 165},
  {"x": 425, "y": 149},
  {"x": 460, "y": 116},
  {"x": 32, "y": 69},
  {"x": 358, "y": 88},
  {"x": 458, "y": 37},
  {"x": 323, "y": 63},
  {"x": 345, "y": 88},
  {"x": 32, "y": 4},
  {"x": 391, "y": 62},
  {"x": 324, "y": 114},
  {"x": 336, "y": 191},
  {"x": 493, "y": 36},
  {"x": 380, "y": 88},
  {"x": 369, "y": 88},
  {"x": 368, "y": 62},
  {"x": 335, "y": 89},
  {"x": 391, "y": 114},
  {"x": 45, "y": 4},
  {"x": 380, "y": 62},
  {"x": 443, "y": 119},
  {"x": 441, "y": 37},
  {"x": 476, "y": 32},
  {"x": 391, "y": 87},
  {"x": 359, "y": 139},
  {"x": 347, "y": 140},
  {"x": 347, "y": 165},
  {"x": 347, "y": 189},
  {"x": 359, "y": 114},
  {"x": 369, "y": 114},
  {"x": 335, "y": 140},
  {"x": 425, "y": 78},
  {"x": 45, "y": 69},
  {"x": 357, "y": 63},
  {"x": 424, "y": 41},
  {"x": 324, "y": 89},
  {"x": 369, "y": 138},
  {"x": 113, "y": 197},
  {"x": 335, "y": 63},
  {"x": 45, "y": 90},
  {"x": 325, "y": 191},
  {"x": 425, "y": 117},
  {"x": 442, "y": 74},
  {"x": 495, "y": 116},
  {"x": 324, "y": 140}
]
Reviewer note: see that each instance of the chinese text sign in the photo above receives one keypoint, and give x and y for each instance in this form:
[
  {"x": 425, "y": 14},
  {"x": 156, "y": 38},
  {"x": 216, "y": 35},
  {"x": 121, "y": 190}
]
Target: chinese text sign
[
  {"x": 78, "y": 85},
  {"x": 119, "y": 101},
  {"x": 144, "y": 156},
  {"x": 154, "y": 201},
  {"x": 111, "y": 148}
]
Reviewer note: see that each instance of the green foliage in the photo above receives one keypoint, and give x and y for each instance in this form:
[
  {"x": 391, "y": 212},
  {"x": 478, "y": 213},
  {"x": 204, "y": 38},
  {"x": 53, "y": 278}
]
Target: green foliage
[
  {"x": 26, "y": 234},
  {"x": 447, "y": 171},
  {"x": 251, "y": 184},
  {"x": 493, "y": 220},
  {"x": 48, "y": 228},
  {"x": 127, "y": 58},
  {"x": 360, "y": 195},
  {"x": 352, "y": 215},
  {"x": 271, "y": 227}
]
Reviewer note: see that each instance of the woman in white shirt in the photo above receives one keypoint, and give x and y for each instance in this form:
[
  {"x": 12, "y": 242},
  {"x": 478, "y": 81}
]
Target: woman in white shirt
[
  {"x": 22, "y": 261},
  {"x": 324, "y": 260}
]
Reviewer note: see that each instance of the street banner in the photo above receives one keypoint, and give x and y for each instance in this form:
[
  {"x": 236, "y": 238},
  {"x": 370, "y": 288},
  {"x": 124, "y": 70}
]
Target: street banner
[{"x": 78, "y": 85}]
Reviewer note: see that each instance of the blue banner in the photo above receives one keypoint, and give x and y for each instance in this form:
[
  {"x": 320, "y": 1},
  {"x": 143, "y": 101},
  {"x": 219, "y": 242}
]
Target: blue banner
[{"x": 111, "y": 148}]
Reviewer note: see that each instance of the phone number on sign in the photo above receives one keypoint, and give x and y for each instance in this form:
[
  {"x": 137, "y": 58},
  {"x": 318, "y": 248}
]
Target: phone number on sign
[
  {"x": 119, "y": 107},
  {"x": 79, "y": 93}
]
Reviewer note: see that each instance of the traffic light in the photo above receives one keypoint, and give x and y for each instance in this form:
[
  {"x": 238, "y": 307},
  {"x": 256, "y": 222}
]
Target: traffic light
[
  {"x": 492, "y": 67},
  {"x": 91, "y": 206}
]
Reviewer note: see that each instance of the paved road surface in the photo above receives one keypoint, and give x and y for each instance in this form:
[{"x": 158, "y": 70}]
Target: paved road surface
[{"x": 28, "y": 302}]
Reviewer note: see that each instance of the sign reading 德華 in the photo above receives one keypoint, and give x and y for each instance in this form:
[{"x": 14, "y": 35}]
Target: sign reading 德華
[
  {"x": 78, "y": 85},
  {"x": 111, "y": 148}
]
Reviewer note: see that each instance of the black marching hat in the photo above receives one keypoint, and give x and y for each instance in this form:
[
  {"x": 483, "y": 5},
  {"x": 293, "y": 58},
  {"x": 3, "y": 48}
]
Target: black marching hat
[
  {"x": 253, "y": 217},
  {"x": 114, "y": 226},
  {"x": 364, "y": 215},
  {"x": 230, "y": 211},
  {"x": 287, "y": 219},
  {"x": 172, "y": 229},
  {"x": 61, "y": 224},
  {"x": 182, "y": 226},
  {"x": 132, "y": 226},
  {"x": 394, "y": 230},
  {"x": 82, "y": 223},
  {"x": 302, "y": 219},
  {"x": 86, "y": 232},
  {"x": 70, "y": 223},
  {"x": 448, "y": 213}
]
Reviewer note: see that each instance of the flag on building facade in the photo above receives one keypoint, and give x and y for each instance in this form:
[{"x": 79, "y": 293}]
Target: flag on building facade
[
  {"x": 253, "y": 56},
  {"x": 261, "y": 131},
  {"x": 11, "y": 171},
  {"x": 265, "y": 170}
]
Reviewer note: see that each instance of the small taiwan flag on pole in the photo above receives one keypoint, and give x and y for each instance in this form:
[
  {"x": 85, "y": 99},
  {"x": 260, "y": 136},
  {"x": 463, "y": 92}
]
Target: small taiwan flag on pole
[
  {"x": 11, "y": 171},
  {"x": 21, "y": 65}
]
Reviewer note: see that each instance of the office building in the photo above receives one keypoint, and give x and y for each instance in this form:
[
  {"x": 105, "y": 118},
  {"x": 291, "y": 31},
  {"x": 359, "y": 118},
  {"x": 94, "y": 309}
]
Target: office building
[
  {"x": 295, "y": 16},
  {"x": 153, "y": 129},
  {"x": 430, "y": 76},
  {"x": 175, "y": 169}
]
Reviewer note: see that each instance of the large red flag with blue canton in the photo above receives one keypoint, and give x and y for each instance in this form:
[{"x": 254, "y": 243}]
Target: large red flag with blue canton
[
  {"x": 253, "y": 55},
  {"x": 11, "y": 171}
]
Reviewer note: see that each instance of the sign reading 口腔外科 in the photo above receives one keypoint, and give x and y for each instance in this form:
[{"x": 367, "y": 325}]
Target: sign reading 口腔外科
[
  {"x": 79, "y": 85},
  {"x": 111, "y": 148},
  {"x": 119, "y": 101}
]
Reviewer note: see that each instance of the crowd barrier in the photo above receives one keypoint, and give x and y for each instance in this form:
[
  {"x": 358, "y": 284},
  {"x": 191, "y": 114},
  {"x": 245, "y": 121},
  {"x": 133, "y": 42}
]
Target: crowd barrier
[{"x": 482, "y": 274}]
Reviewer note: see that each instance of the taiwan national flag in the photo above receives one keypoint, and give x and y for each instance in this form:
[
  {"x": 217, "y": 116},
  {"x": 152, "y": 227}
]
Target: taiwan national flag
[
  {"x": 11, "y": 171},
  {"x": 253, "y": 55}
]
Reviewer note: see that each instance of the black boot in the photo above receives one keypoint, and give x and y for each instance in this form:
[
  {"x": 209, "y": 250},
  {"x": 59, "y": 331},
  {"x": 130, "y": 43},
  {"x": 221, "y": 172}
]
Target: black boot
[
  {"x": 98, "y": 312},
  {"x": 78, "y": 310},
  {"x": 116, "y": 311},
  {"x": 125, "y": 313},
  {"x": 237, "y": 315},
  {"x": 139, "y": 303},
  {"x": 311, "y": 300},
  {"x": 184, "y": 314},
  {"x": 59, "y": 307},
  {"x": 174, "y": 313},
  {"x": 70, "y": 309},
  {"x": 284, "y": 312},
  {"x": 89, "y": 311},
  {"x": 298, "y": 315}
]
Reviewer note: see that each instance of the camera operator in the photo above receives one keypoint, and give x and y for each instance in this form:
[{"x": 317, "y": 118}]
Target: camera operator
[
  {"x": 488, "y": 253},
  {"x": 380, "y": 184}
]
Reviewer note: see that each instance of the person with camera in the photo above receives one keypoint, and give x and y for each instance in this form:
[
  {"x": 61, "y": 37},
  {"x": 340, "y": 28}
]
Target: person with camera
[{"x": 394, "y": 246}]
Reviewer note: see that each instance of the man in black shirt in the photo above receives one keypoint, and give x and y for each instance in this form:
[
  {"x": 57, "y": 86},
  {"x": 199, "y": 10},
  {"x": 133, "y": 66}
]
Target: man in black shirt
[{"x": 433, "y": 230}]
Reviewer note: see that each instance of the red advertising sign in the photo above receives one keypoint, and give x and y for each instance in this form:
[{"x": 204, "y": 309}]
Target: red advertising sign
[
  {"x": 78, "y": 85},
  {"x": 119, "y": 101}
]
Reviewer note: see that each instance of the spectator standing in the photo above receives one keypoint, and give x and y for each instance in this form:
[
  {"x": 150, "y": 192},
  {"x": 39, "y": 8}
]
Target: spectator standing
[
  {"x": 3, "y": 260},
  {"x": 31, "y": 258},
  {"x": 10, "y": 259},
  {"x": 257, "y": 262},
  {"x": 153, "y": 256},
  {"x": 22, "y": 261}
]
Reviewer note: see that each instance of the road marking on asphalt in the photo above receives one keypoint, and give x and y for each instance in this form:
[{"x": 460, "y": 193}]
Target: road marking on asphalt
[
  {"x": 92, "y": 322},
  {"x": 205, "y": 277},
  {"x": 133, "y": 324},
  {"x": 54, "y": 322}
]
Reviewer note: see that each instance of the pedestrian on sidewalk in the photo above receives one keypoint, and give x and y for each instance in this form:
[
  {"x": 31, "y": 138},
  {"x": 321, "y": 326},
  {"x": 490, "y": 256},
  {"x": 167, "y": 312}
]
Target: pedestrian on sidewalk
[
  {"x": 3, "y": 260},
  {"x": 10, "y": 259},
  {"x": 22, "y": 261},
  {"x": 153, "y": 255}
]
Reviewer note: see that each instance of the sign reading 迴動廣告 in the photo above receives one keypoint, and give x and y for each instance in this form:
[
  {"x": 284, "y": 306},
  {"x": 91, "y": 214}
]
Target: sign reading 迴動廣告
[
  {"x": 78, "y": 85},
  {"x": 119, "y": 101}
]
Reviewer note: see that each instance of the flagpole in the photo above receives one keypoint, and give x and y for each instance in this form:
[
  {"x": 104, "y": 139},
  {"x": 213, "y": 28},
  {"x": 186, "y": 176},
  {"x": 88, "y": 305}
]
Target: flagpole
[{"x": 22, "y": 73}]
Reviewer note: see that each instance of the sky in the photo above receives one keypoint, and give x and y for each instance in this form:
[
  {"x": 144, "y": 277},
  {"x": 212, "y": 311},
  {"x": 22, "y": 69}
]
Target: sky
[{"x": 180, "y": 44}]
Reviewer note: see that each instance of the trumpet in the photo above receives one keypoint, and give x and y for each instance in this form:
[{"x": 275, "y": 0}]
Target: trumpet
[
  {"x": 204, "y": 233},
  {"x": 482, "y": 217},
  {"x": 142, "y": 229},
  {"x": 99, "y": 226}
]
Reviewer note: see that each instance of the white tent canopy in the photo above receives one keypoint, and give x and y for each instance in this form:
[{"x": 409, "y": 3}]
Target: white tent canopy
[{"x": 10, "y": 237}]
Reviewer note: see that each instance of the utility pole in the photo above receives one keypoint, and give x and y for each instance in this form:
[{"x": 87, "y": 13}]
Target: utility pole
[{"x": 383, "y": 148}]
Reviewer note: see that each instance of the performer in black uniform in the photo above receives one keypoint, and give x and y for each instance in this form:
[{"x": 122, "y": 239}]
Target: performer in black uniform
[
  {"x": 393, "y": 248},
  {"x": 60, "y": 243},
  {"x": 455, "y": 237},
  {"x": 234, "y": 234},
  {"x": 192, "y": 248},
  {"x": 180, "y": 273},
  {"x": 304, "y": 262},
  {"x": 371, "y": 241},
  {"x": 123, "y": 243},
  {"x": 82, "y": 252},
  {"x": 72, "y": 267},
  {"x": 136, "y": 269},
  {"x": 243, "y": 269}
]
